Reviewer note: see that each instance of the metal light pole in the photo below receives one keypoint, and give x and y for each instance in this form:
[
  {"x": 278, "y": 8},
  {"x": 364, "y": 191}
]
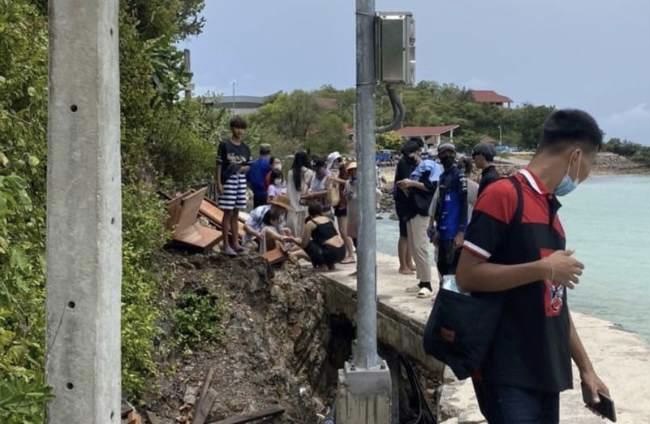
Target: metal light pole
[
  {"x": 364, "y": 389},
  {"x": 234, "y": 93},
  {"x": 366, "y": 352}
]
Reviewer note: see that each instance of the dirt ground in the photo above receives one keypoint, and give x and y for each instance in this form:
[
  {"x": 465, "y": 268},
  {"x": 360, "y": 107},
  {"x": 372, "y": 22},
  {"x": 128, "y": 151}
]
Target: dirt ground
[{"x": 274, "y": 346}]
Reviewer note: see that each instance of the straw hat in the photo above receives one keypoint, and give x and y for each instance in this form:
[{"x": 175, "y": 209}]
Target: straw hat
[
  {"x": 351, "y": 165},
  {"x": 281, "y": 201}
]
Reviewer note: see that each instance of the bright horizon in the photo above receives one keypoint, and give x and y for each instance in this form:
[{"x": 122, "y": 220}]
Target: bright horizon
[{"x": 567, "y": 54}]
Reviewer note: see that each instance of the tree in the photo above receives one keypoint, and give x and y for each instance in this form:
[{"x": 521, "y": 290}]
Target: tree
[{"x": 329, "y": 135}]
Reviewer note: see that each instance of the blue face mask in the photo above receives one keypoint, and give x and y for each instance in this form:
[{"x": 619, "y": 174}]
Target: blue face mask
[{"x": 567, "y": 185}]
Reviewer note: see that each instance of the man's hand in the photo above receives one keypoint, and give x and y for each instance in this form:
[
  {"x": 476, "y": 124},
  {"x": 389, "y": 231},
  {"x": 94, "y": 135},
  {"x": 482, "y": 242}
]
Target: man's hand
[
  {"x": 405, "y": 183},
  {"x": 563, "y": 268},
  {"x": 244, "y": 169},
  {"x": 593, "y": 385},
  {"x": 459, "y": 240},
  {"x": 219, "y": 188}
]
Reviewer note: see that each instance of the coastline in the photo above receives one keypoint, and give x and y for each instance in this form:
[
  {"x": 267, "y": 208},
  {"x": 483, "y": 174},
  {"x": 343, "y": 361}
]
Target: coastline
[{"x": 621, "y": 358}]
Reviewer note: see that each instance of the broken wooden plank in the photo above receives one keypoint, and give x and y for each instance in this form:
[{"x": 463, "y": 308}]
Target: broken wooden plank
[
  {"x": 214, "y": 214},
  {"x": 206, "y": 400},
  {"x": 275, "y": 256},
  {"x": 253, "y": 416}
]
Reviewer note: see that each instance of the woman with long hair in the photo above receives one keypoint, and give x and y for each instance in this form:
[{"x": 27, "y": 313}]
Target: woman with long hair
[{"x": 298, "y": 183}]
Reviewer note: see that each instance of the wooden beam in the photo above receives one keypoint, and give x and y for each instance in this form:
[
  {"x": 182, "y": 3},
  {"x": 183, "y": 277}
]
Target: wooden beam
[{"x": 254, "y": 416}]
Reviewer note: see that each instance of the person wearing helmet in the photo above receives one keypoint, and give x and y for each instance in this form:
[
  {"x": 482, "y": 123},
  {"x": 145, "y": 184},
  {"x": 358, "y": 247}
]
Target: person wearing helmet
[{"x": 483, "y": 155}]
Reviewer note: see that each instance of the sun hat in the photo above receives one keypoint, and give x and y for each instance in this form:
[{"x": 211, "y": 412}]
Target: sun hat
[{"x": 281, "y": 201}]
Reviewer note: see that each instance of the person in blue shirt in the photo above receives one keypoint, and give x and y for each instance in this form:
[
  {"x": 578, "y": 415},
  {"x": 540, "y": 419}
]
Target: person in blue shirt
[
  {"x": 257, "y": 176},
  {"x": 451, "y": 211},
  {"x": 420, "y": 187}
]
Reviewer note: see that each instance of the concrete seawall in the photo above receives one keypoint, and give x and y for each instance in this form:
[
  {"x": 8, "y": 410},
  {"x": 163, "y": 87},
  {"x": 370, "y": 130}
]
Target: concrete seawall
[{"x": 621, "y": 358}]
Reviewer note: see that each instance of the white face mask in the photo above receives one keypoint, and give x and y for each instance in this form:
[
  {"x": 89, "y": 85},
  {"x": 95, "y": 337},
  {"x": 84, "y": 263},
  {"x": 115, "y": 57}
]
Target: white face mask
[
  {"x": 277, "y": 182},
  {"x": 278, "y": 166}
]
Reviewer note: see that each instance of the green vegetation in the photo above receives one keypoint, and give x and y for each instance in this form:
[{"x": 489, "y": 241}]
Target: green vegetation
[
  {"x": 633, "y": 151},
  {"x": 299, "y": 120},
  {"x": 198, "y": 318},
  {"x": 166, "y": 143}
]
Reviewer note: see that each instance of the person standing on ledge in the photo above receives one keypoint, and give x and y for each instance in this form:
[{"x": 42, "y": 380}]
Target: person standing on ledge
[
  {"x": 233, "y": 163},
  {"x": 451, "y": 211},
  {"x": 483, "y": 155},
  {"x": 516, "y": 245}
]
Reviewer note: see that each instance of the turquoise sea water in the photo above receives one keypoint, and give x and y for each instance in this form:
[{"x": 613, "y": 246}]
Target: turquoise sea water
[{"x": 607, "y": 222}]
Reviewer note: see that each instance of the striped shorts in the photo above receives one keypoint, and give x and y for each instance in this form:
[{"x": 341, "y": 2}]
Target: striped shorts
[{"x": 234, "y": 193}]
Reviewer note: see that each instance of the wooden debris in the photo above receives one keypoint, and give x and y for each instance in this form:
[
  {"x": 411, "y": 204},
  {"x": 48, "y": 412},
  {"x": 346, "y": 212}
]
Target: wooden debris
[
  {"x": 183, "y": 220},
  {"x": 254, "y": 416},
  {"x": 206, "y": 400}
]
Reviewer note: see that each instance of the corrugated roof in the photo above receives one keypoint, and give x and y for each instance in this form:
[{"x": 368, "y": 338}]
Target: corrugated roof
[
  {"x": 489, "y": 96},
  {"x": 426, "y": 131}
]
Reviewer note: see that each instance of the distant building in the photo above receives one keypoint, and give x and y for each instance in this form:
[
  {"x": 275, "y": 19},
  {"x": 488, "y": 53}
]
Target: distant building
[
  {"x": 246, "y": 105},
  {"x": 431, "y": 136},
  {"x": 240, "y": 105},
  {"x": 490, "y": 97}
]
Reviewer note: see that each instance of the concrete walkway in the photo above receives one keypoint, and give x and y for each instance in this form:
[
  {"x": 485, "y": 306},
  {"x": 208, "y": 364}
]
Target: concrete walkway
[{"x": 622, "y": 359}]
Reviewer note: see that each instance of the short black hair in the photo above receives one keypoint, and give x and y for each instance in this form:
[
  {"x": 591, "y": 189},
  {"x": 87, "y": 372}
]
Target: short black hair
[
  {"x": 265, "y": 150},
  {"x": 411, "y": 146},
  {"x": 486, "y": 150},
  {"x": 568, "y": 126},
  {"x": 315, "y": 209},
  {"x": 467, "y": 164},
  {"x": 319, "y": 163},
  {"x": 238, "y": 122},
  {"x": 270, "y": 216}
]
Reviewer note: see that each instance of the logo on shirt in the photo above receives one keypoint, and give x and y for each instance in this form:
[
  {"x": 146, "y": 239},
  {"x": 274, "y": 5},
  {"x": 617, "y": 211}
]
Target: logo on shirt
[{"x": 553, "y": 293}]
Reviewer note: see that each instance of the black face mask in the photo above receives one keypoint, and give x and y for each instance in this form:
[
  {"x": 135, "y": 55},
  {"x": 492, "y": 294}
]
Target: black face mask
[{"x": 447, "y": 161}]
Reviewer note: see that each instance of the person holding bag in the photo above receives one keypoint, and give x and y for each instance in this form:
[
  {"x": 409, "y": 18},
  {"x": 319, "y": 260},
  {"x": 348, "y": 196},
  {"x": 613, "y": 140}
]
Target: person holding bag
[{"x": 516, "y": 266}]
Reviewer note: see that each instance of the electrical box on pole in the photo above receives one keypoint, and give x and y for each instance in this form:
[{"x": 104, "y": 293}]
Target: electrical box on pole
[{"x": 395, "y": 47}]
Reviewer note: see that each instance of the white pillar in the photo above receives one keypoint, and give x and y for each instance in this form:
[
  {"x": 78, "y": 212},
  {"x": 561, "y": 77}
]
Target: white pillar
[{"x": 84, "y": 222}]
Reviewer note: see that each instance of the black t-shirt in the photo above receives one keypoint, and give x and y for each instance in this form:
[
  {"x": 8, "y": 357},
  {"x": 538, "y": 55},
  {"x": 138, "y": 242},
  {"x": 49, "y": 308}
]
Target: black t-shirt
[
  {"x": 403, "y": 170},
  {"x": 488, "y": 176},
  {"x": 232, "y": 157},
  {"x": 531, "y": 345}
]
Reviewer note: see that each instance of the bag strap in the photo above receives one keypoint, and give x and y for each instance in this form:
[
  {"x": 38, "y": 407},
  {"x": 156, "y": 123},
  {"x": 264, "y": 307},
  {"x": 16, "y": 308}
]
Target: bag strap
[{"x": 519, "y": 211}]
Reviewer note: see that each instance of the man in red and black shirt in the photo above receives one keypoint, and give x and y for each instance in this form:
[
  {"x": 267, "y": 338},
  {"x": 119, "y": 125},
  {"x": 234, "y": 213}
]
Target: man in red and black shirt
[{"x": 516, "y": 245}]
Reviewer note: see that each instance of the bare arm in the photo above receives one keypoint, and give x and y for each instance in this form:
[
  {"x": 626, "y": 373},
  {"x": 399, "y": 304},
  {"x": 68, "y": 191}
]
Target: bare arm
[
  {"x": 476, "y": 274},
  {"x": 306, "y": 234},
  {"x": 590, "y": 380},
  {"x": 578, "y": 352}
]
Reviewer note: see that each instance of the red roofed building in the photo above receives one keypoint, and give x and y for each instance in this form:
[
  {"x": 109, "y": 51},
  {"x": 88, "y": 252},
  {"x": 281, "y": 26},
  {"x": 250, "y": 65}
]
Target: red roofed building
[
  {"x": 432, "y": 136},
  {"x": 490, "y": 97}
]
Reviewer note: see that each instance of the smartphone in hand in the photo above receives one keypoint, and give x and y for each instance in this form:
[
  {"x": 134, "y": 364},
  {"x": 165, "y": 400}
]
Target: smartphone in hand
[{"x": 605, "y": 408}]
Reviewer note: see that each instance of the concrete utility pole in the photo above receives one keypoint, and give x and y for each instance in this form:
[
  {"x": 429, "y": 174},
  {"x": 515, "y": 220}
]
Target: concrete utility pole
[
  {"x": 364, "y": 392},
  {"x": 84, "y": 262}
]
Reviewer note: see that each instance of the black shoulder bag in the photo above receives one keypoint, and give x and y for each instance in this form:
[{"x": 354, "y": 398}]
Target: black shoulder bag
[{"x": 461, "y": 327}]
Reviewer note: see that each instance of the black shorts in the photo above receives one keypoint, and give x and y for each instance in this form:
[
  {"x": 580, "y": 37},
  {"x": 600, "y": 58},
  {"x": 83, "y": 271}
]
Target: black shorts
[
  {"x": 324, "y": 254},
  {"x": 341, "y": 212}
]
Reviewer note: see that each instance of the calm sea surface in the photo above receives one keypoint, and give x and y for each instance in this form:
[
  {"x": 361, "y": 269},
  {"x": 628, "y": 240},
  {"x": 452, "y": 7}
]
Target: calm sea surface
[{"x": 607, "y": 222}]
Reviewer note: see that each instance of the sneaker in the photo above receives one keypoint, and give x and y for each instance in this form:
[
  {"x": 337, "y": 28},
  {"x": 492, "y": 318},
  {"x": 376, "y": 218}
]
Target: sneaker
[
  {"x": 413, "y": 289},
  {"x": 240, "y": 249},
  {"x": 424, "y": 293},
  {"x": 229, "y": 251}
]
